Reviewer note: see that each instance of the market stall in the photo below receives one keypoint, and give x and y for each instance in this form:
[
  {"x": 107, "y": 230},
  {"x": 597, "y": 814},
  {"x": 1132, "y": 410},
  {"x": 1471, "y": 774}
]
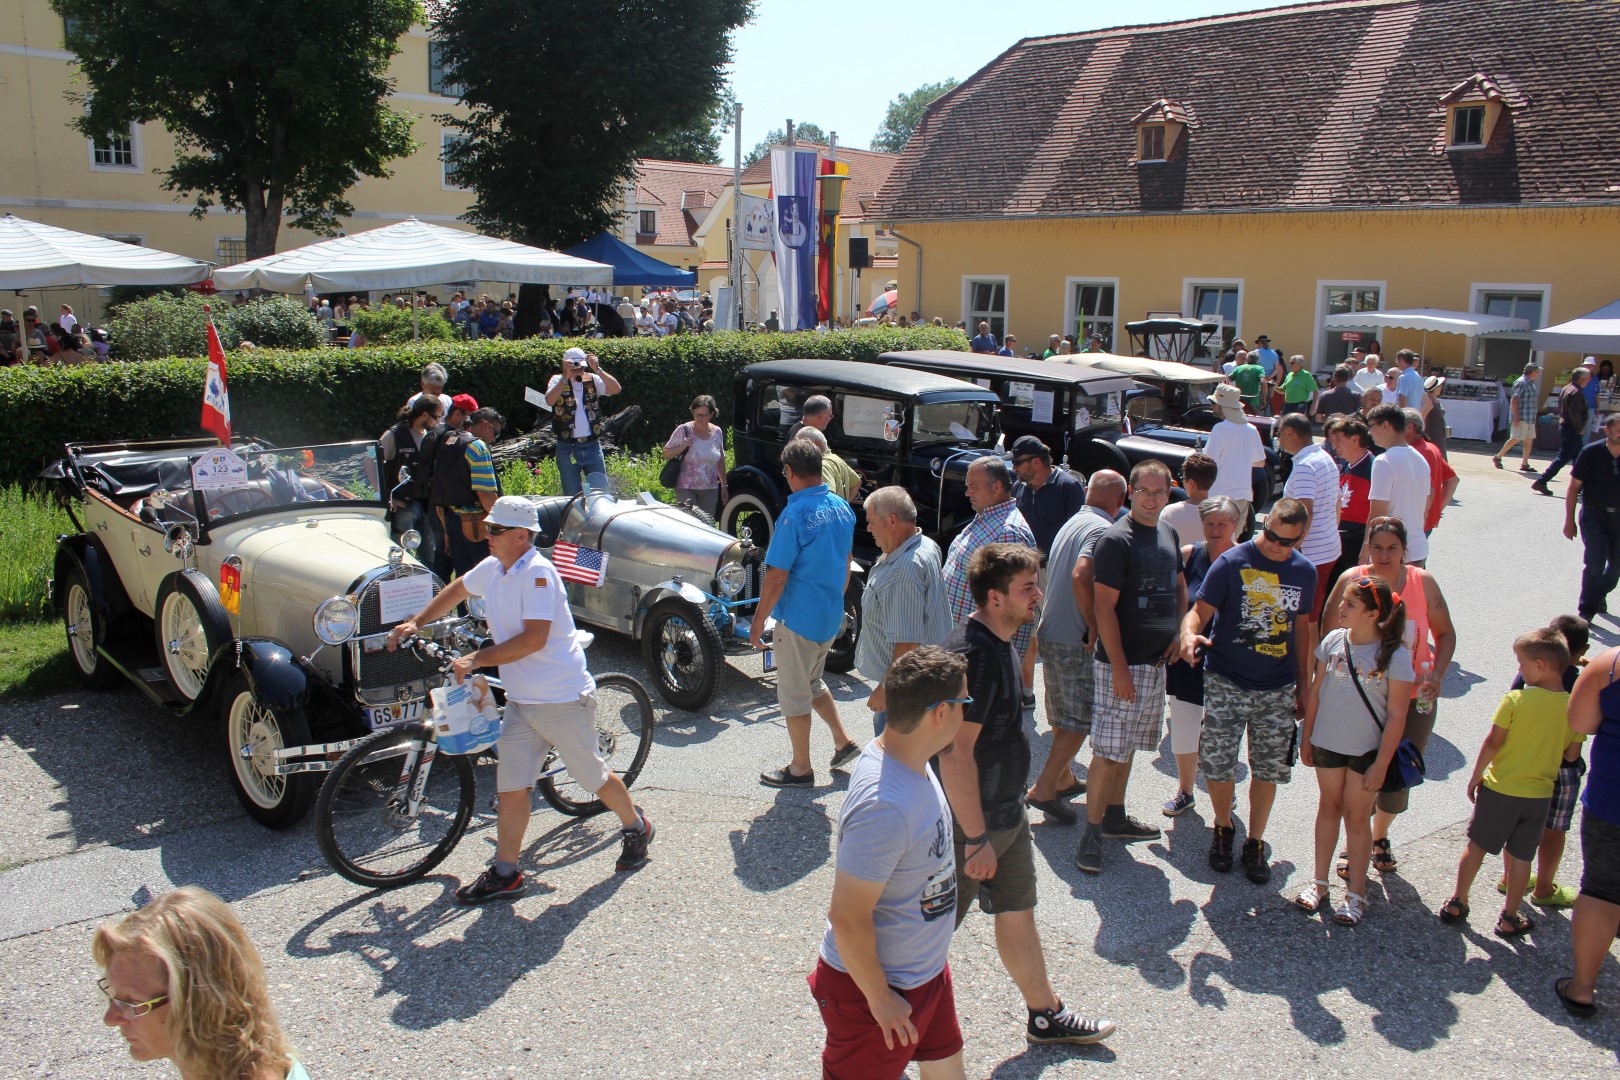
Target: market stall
[{"x": 1475, "y": 408}]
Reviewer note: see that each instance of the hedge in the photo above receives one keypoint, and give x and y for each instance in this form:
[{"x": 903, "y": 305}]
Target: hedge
[{"x": 330, "y": 395}]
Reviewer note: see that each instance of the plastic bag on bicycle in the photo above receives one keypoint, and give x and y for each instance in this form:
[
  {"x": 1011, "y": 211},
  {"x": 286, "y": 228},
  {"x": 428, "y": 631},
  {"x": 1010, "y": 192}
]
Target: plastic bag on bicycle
[{"x": 466, "y": 719}]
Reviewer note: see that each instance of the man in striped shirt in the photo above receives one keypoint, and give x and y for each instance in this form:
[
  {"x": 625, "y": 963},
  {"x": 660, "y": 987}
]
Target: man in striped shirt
[
  {"x": 996, "y": 520},
  {"x": 464, "y": 487},
  {"x": 1314, "y": 481}
]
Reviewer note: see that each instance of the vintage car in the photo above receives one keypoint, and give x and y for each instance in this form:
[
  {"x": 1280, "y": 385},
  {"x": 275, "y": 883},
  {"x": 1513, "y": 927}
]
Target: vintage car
[
  {"x": 1081, "y": 414},
  {"x": 251, "y": 588},
  {"x": 681, "y": 587}
]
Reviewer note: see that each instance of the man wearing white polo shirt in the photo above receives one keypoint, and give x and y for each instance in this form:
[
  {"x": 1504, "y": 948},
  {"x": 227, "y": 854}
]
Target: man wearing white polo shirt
[
  {"x": 1314, "y": 481},
  {"x": 550, "y": 695}
]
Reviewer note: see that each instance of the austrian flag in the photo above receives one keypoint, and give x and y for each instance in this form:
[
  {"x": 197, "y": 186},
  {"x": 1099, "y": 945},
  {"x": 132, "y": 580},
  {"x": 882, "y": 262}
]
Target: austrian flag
[
  {"x": 582, "y": 564},
  {"x": 216, "y": 408}
]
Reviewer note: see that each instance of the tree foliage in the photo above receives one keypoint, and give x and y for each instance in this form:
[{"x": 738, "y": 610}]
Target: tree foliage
[
  {"x": 275, "y": 106},
  {"x": 697, "y": 142},
  {"x": 810, "y": 133},
  {"x": 552, "y": 135},
  {"x": 905, "y": 113}
]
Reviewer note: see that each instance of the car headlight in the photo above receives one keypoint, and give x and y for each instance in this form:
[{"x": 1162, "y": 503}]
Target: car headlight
[
  {"x": 732, "y": 578},
  {"x": 337, "y": 620},
  {"x": 410, "y": 540}
]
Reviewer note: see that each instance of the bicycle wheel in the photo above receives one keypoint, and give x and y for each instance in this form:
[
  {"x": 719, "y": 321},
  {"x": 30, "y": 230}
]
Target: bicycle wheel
[
  {"x": 624, "y": 729},
  {"x": 362, "y": 822}
]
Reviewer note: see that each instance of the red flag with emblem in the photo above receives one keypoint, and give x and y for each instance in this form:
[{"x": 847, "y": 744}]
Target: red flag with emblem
[{"x": 216, "y": 406}]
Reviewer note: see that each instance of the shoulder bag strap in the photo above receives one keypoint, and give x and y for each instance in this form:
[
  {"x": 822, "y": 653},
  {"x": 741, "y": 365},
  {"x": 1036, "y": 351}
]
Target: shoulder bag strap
[{"x": 1355, "y": 679}]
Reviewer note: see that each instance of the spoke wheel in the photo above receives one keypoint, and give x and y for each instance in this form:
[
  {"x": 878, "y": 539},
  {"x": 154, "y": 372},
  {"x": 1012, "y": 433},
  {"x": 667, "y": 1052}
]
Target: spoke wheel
[
  {"x": 841, "y": 657},
  {"x": 191, "y": 626},
  {"x": 746, "y": 510},
  {"x": 363, "y": 819},
  {"x": 683, "y": 653},
  {"x": 624, "y": 730},
  {"x": 85, "y": 630},
  {"x": 254, "y": 731}
]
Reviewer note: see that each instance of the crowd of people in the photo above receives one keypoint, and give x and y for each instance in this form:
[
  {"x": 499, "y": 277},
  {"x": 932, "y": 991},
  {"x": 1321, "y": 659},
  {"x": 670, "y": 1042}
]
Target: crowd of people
[{"x": 65, "y": 342}]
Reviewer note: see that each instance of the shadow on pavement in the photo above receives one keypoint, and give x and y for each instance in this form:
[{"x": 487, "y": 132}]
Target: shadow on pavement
[
  {"x": 787, "y": 843},
  {"x": 1037, "y": 1059}
]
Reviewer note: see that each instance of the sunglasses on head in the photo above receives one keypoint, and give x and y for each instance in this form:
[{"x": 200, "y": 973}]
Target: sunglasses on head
[{"x": 1285, "y": 541}]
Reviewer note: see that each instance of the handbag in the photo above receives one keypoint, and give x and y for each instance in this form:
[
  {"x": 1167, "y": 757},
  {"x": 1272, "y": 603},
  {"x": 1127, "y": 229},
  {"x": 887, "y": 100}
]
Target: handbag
[
  {"x": 670, "y": 474},
  {"x": 1407, "y": 768}
]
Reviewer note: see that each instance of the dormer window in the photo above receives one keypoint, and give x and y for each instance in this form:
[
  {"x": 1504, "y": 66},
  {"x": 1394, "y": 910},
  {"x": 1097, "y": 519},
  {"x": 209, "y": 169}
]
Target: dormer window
[
  {"x": 1468, "y": 125},
  {"x": 1151, "y": 147},
  {"x": 1473, "y": 109},
  {"x": 1159, "y": 127}
]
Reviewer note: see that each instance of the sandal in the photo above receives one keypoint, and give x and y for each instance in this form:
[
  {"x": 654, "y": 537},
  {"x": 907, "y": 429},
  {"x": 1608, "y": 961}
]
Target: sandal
[
  {"x": 1454, "y": 911},
  {"x": 1582, "y": 1009},
  {"x": 1518, "y": 925},
  {"x": 1343, "y": 867},
  {"x": 1312, "y": 897},
  {"x": 1383, "y": 860},
  {"x": 1351, "y": 911},
  {"x": 1497, "y": 462}
]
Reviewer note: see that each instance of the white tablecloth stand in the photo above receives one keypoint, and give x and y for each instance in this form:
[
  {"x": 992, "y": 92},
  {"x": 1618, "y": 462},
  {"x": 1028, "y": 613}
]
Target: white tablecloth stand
[{"x": 1479, "y": 420}]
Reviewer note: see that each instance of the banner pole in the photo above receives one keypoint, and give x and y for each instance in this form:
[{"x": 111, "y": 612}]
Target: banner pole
[{"x": 736, "y": 216}]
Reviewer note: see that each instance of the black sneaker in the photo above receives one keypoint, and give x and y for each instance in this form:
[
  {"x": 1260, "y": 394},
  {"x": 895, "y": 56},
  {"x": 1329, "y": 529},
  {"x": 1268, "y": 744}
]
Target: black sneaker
[
  {"x": 492, "y": 886},
  {"x": 782, "y": 778},
  {"x": 633, "y": 855},
  {"x": 845, "y": 754},
  {"x": 1254, "y": 861},
  {"x": 1055, "y": 809},
  {"x": 1089, "y": 857},
  {"x": 1129, "y": 830},
  {"x": 1061, "y": 1025},
  {"x": 1028, "y": 700},
  {"x": 1220, "y": 849}
]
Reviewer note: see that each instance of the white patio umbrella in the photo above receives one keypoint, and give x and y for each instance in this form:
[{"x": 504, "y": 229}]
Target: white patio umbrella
[
  {"x": 38, "y": 256},
  {"x": 1595, "y": 332},
  {"x": 1430, "y": 319}
]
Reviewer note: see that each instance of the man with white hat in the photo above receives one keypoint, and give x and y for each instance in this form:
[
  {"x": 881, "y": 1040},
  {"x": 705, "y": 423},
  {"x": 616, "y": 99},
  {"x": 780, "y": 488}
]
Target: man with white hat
[
  {"x": 550, "y": 695},
  {"x": 576, "y": 416},
  {"x": 1591, "y": 389},
  {"x": 1235, "y": 445}
]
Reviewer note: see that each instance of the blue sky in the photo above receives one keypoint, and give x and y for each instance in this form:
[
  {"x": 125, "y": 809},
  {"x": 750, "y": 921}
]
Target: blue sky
[{"x": 863, "y": 53}]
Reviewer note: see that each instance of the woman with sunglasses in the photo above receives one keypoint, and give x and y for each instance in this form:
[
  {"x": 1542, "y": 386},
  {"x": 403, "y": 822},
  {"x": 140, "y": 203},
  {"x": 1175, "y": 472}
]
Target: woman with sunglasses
[
  {"x": 702, "y": 480},
  {"x": 1430, "y": 637},
  {"x": 1354, "y": 719},
  {"x": 184, "y": 983}
]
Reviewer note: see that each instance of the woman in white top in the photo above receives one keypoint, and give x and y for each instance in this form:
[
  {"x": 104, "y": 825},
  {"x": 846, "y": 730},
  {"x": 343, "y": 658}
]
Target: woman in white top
[{"x": 703, "y": 470}]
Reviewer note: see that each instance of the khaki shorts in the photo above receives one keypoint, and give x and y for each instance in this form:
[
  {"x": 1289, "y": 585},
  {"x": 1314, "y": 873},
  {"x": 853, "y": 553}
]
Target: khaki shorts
[
  {"x": 799, "y": 664},
  {"x": 1523, "y": 429},
  {"x": 1013, "y": 886},
  {"x": 530, "y": 731}
]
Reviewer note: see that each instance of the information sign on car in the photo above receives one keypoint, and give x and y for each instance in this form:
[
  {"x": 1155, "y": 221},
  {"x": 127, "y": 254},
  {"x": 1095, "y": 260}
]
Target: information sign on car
[
  {"x": 465, "y": 716},
  {"x": 215, "y": 469},
  {"x": 403, "y": 597}
]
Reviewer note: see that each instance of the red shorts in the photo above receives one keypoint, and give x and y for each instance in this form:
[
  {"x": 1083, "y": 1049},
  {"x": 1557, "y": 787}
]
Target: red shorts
[
  {"x": 1324, "y": 585},
  {"x": 855, "y": 1049}
]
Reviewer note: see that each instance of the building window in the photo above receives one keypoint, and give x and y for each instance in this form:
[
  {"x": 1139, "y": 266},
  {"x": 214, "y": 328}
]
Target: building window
[
  {"x": 647, "y": 223},
  {"x": 125, "y": 238},
  {"x": 985, "y": 300},
  {"x": 1504, "y": 355},
  {"x": 1152, "y": 147},
  {"x": 1218, "y": 304},
  {"x": 438, "y": 82},
  {"x": 447, "y": 139},
  {"x": 230, "y": 249},
  {"x": 1092, "y": 305},
  {"x": 118, "y": 153},
  {"x": 1468, "y": 125},
  {"x": 70, "y": 26},
  {"x": 1345, "y": 300}
]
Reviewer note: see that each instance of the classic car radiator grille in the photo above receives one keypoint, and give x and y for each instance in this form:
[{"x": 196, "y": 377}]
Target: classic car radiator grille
[
  {"x": 380, "y": 674},
  {"x": 753, "y": 574}
]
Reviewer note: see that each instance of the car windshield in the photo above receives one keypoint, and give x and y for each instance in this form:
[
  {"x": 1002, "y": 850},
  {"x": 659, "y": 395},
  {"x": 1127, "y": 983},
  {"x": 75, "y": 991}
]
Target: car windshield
[
  {"x": 1146, "y": 409},
  {"x": 971, "y": 422},
  {"x": 251, "y": 479},
  {"x": 1094, "y": 410}
]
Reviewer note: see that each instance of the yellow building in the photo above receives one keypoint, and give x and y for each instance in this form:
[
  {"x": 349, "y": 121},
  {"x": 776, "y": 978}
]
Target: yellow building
[{"x": 1268, "y": 169}]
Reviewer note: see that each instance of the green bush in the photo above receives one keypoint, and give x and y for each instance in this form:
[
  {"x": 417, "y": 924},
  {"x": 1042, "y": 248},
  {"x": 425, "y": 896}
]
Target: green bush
[
  {"x": 271, "y": 322},
  {"x": 328, "y": 395},
  {"x": 171, "y": 324},
  {"x": 389, "y": 325}
]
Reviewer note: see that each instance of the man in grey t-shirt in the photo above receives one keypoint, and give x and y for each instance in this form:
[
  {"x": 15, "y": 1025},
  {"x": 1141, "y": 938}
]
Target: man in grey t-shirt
[
  {"x": 882, "y": 981},
  {"x": 1065, "y": 642}
]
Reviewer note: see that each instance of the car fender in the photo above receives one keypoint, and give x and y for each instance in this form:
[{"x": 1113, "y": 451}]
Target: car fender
[
  {"x": 83, "y": 551},
  {"x": 761, "y": 482},
  {"x": 273, "y": 673},
  {"x": 673, "y": 587}
]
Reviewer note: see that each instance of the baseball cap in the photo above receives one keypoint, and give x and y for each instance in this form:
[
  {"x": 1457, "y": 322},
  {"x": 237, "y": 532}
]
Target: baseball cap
[
  {"x": 1030, "y": 446},
  {"x": 465, "y": 402},
  {"x": 575, "y": 356},
  {"x": 514, "y": 512}
]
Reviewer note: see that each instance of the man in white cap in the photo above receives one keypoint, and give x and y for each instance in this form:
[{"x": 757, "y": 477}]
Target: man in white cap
[
  {"x": 574, "y": 398},
  {"x": 550, "y": 695},
  {"x": 1235, "y": 445},
  {"x": 1591, "y": 389}
]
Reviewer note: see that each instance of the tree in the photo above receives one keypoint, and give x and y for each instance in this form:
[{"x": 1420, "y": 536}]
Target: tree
[
  {"x": 810, "y": 133},
  {"x": 275, "y": 107},
  {"x": 905, "y": 113},
  {"x": 698, "y": 142},
  {"x": 550, "y": 141}
]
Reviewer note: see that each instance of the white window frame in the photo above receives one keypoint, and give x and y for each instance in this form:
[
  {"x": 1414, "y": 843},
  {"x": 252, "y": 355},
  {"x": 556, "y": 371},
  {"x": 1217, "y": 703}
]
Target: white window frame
[
  {"x": 1319, "y": 349},
  {"x": 969, "y": 317},
  {"x": 134, "y": 150},
  {"x": 1071, "y": 311},
  {"x": 446, "y": 137},
  {"x": 1476, "y": 301},
  {"x": 1189, "y": 290}
]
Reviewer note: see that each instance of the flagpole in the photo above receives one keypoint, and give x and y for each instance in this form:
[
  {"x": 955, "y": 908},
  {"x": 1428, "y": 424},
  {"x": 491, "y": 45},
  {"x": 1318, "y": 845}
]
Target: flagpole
[{"x": 736, "y": 217}]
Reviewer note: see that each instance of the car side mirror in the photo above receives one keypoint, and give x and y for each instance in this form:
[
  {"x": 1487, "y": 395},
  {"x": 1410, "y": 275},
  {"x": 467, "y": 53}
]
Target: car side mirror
[{"x": 177, "y": 541}]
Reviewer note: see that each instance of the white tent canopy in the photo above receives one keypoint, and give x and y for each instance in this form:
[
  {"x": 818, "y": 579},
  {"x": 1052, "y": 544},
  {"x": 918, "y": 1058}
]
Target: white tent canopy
[
  {"x": 38, "y": 256},
  {"x": 1430, "y": 320},
  {"x": 1595, "y": 332},
  {"x": 409, "y": 255}
]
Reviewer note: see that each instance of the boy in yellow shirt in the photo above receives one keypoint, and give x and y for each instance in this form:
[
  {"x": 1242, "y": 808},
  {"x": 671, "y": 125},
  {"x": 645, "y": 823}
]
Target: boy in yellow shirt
[{"x": 1513, "y": 779}]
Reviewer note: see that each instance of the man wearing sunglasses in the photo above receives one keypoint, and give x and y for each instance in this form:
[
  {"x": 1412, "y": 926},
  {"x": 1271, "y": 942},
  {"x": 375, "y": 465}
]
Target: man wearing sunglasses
[{"x": 1260, "y": 595}]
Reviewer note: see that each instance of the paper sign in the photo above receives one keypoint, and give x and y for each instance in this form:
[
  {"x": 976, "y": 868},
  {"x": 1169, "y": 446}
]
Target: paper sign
[
  {"x": 1021, "y": 393},
  {"x": 1041, "y": 411},
  {"x": 983, "y": 382},
  {"x": 865, "y": 417},
  {"x": 221, "y": 468},
  {"x": 535, "y": 397},
  {"x": 403, "y": 597}
]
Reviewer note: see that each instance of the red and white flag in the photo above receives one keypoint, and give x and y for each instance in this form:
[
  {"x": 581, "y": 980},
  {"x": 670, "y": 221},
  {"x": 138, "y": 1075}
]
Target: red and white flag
[
  {"x": 582, "y": 564},
  {"x": 216, "y": 409}
]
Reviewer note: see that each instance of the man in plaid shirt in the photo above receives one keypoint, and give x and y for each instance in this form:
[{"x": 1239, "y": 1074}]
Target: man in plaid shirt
[
  {"x": 1526, "y": 402},
  {"x": 996, "y": 520}
]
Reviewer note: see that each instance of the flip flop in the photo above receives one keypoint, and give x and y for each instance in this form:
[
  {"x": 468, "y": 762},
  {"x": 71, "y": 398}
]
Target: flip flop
[
  {"x": 1582, "y": 1009},
  {"x": 1522, "y": 925}
]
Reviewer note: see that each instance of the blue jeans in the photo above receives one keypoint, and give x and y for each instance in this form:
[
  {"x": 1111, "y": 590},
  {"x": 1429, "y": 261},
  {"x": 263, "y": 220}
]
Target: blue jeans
[
  {"x": 576, "y": 460},
  {"x": 1569, "y": 445},
  {"x": 1600, "y": 535},
  {"x": 464, "y": 553}
]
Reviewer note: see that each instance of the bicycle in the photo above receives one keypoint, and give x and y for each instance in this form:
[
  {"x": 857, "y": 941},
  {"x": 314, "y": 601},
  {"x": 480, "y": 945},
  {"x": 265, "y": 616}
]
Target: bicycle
[{"x": 382, "y": 822}]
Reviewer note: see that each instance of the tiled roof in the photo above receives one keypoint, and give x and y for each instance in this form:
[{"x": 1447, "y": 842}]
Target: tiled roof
[
  {"x": 1317, "y": 106},
  {"x": 675, "y": 188},
  {"x": 868, "y": 171}
]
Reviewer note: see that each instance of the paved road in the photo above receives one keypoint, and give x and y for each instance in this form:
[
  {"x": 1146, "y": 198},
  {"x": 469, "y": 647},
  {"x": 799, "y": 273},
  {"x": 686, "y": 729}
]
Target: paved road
[{"x": 695, "y": 965}]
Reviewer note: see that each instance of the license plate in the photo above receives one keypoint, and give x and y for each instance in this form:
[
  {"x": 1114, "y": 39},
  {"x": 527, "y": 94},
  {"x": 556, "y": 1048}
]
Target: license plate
[
  {"x": 770, "y": 659},
  {"x": 386, "y": 715}
]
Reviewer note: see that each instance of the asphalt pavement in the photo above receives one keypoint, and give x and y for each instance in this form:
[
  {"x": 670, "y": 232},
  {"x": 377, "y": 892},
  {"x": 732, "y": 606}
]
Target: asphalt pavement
[{"x": 695, "y": 965}]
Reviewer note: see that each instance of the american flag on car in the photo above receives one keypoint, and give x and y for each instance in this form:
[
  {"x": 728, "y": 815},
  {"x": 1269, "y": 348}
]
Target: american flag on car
[{"x": 582, "y": 564}]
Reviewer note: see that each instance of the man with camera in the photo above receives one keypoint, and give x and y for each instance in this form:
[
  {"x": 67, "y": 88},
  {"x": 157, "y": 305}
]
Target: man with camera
[{"x": 574, "y": 398}]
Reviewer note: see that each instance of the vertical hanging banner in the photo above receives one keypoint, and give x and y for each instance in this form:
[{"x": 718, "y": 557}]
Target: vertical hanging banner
[
  {"x": 793, "y": 189},
  {"x": 832, "y": 198}
]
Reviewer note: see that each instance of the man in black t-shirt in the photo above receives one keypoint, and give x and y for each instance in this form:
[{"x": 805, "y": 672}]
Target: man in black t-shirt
[
  {"x": 1141, "y": 597},
  {"x": 1595, "y": 481},
  {"x": 984, "y": 774}
]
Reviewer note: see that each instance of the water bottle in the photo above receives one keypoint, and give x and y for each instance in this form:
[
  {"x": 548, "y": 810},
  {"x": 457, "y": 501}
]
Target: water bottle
[{"x": 1425, "y": 703}]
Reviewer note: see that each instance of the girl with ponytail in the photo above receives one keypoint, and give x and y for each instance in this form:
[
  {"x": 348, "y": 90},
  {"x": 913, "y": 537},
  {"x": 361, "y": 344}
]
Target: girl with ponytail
[{"x": 1354, "y": 718}]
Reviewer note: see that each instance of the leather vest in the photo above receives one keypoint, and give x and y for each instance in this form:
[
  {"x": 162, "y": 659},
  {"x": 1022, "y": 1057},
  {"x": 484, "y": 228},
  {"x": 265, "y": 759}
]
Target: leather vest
[
  {"x": 404, "y": 457},
  {"x": 562, "y": 414}
]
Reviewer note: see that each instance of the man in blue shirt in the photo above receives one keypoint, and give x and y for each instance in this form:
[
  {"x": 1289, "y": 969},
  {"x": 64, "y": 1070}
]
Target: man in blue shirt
[
  {"x": 1410, "y": 383},
  {"x": 985, "y": 342},
  {"x": 1009, "y": 346},
  {"x": 806, "y": 573}
]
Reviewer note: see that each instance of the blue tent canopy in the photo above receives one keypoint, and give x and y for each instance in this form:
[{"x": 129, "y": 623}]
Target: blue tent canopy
[{"x": 630, "y": 267}]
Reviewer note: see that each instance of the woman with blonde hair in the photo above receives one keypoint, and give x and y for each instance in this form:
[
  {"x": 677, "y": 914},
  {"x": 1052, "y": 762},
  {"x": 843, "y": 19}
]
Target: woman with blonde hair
[{"x": 184, "y": 983}]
